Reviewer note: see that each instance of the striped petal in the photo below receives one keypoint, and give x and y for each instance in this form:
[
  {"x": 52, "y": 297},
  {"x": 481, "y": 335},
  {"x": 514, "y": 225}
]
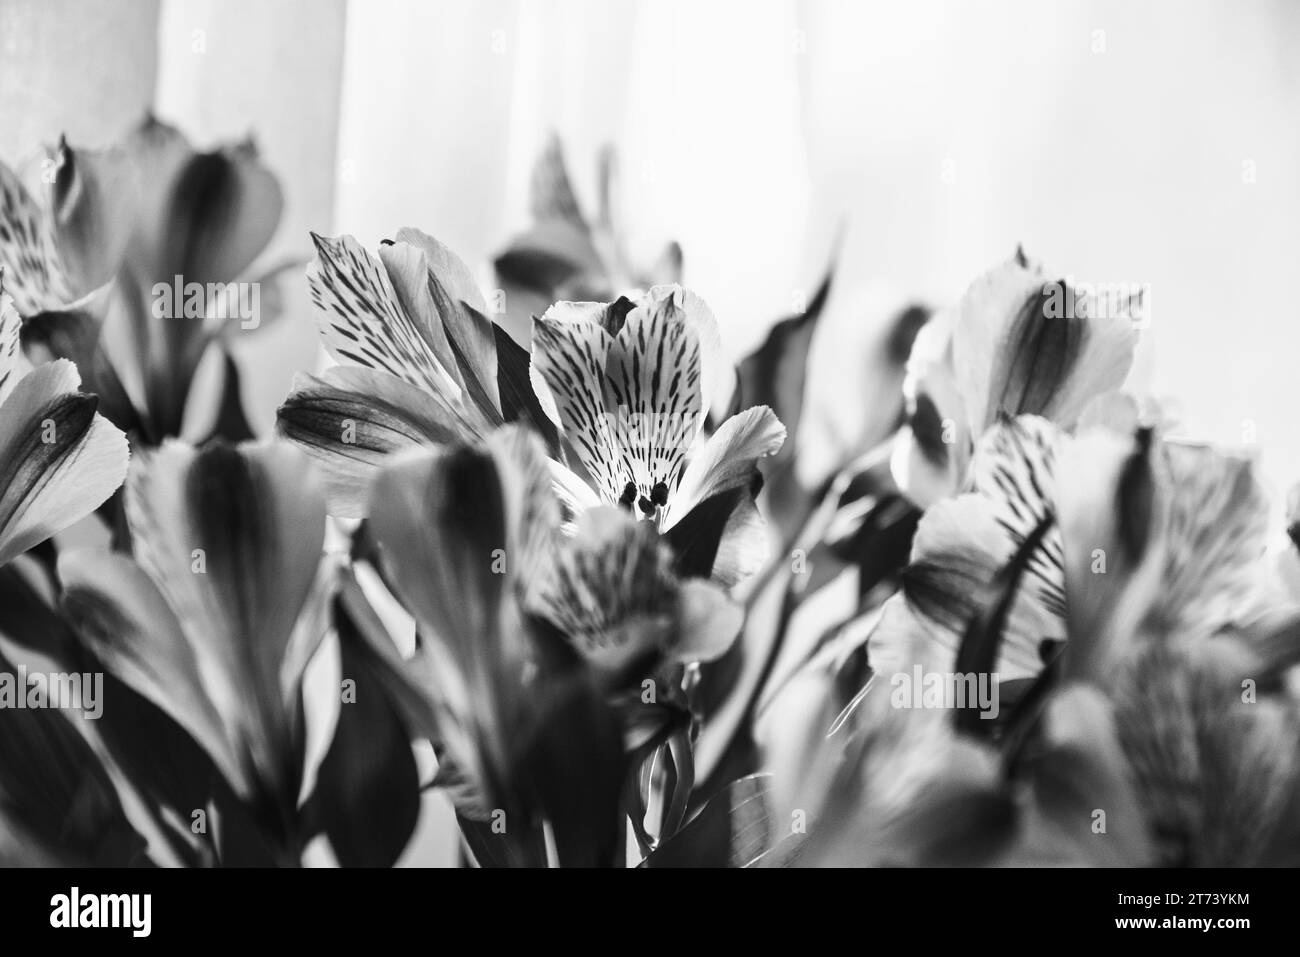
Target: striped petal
[
  {"x": 961, "y": 543},
  {"x": 1215, "y": 772},
  {"x": 59, "y": 461},
  {"x": 611, "y": 590},
  {"x": 13, "y": 364},
  {"x": 568, "y": 373},
  {"x": 362, "y": 322},
  {"x": 352, "y": 420},
  {"x": 33, "y": 272},
  {"x": 1160, "y": 534}
]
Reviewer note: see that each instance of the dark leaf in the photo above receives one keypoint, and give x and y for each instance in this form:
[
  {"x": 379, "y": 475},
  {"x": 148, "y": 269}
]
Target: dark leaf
[
  {"x": 53, "y": 788},
  {"x": 734, "y": 829},
  {"x": 367, "y": 795},
  {"x": 518, "y": 401}
]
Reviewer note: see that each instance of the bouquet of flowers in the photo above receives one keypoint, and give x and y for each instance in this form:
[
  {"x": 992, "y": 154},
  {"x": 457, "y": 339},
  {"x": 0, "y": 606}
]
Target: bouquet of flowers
[{"x": 547, "y": 552}]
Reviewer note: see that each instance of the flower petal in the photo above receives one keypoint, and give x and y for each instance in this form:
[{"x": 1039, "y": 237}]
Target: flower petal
[
  {"x": 352, "y": 420},
  {"x": 959, "y": 547},
  {"x": 13, "y": 364},
  {"x": 232, "y": 537},
  {"x": 94, "y": 199},
  {"x": 32, "y": 270},
  {"x": 462, "y": 314},
  {"x": 59, "y": 461},
  {"x": 729, "y": 459},
  {"x": 1024, "y": 344},
  {"x": 362, "y": 322},
  {"x": 714, "y": 505},
  {"x": 220, "y": 213},
  {"x": 450, "y": 525},
  {"x": 708, "y": 622},
  {"x": 611, "y": 591},
  {"x": 568, "y": 374}
]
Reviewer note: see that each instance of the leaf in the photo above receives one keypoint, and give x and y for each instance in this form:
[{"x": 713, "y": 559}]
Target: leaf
[
  {"x": 367, "y": 794},
  {"x": 774, "y": 374},
  {"x": 53, "y": 787},
  {"x": 696, "y": 538},
  {"x": 574, "y": 761},
  {"x": 518, "y": 401},
  {"x": 734, "y": 829}
]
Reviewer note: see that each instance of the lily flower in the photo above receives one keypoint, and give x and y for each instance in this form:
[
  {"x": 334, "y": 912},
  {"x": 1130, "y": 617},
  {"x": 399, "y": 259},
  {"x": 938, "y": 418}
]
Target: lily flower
[
  {"x": 217, "y": 614},
  {"x": 122, "y": 225},
  {"x": 59, "y": 459},
  {"x": 1018, "y": 343}
]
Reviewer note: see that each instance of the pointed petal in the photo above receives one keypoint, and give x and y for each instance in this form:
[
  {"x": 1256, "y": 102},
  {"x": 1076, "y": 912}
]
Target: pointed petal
[
  {"x": 32, "y": 270},
  {"x": 361, "y": 319},
  {"x": 353, "y": 420},
  {"x": 552, "y": 192},
  {"x": 682, "y": 305},
  {"x": 13, "y": 364},
  {"x": 458, "y": 313},
  {"x": 728, "y": 460},
  {"x": 568, "y": 373},
  {"x": 59, "y": 461},
  {"x": 653, "y": 393},
  {"x": 449, "y": 269}
]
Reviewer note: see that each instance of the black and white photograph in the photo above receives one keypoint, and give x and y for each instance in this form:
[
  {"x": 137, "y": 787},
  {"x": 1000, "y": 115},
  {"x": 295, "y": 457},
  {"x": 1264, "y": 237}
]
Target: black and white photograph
[{"x": 646, "y": 434}]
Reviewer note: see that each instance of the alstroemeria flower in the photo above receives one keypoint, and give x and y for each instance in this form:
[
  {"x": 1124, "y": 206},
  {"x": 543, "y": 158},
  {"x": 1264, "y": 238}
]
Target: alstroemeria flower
[
  {"x": 567, "y": 255},
  {"x": 628, "y": 385},
  {"x": 217, "y": 614},
  {"x": 420, "y": 364},
  {"x": 906, "y": 789},
  {"x": 59, "y": 459},
  {"x": 625, "y": 387},
  {"x": 465, "y": 534},
  {"x": 147, "y": 214},
  {"x": 612, "y": 590},
  {"x": 1020, "y": 342},
  {"x": 1143, "y": 529},
  {"x": 1213, "y": 740}
]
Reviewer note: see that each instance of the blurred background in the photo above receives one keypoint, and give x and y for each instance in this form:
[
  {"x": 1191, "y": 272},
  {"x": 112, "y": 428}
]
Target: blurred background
[{"x": 1154, "y": 143}]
